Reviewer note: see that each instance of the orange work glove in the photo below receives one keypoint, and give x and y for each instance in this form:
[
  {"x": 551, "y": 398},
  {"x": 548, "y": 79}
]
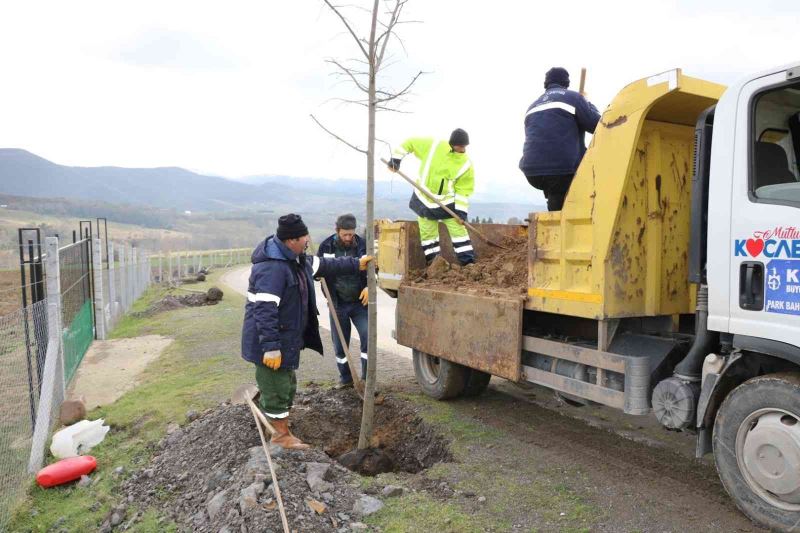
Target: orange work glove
[
  {"x": 363, "y": 260},
  {"x": 272, "y": 359},
  {"x": 364, "y": 296}
]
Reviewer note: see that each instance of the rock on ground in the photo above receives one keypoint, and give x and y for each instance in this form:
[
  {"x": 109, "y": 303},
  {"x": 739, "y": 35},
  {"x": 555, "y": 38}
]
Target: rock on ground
[{"x": 212, "y": 475}]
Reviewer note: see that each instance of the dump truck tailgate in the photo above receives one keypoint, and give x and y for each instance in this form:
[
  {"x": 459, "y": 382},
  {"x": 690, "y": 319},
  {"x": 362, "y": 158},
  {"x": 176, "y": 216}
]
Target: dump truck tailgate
[{"x": 482, "y": 332}]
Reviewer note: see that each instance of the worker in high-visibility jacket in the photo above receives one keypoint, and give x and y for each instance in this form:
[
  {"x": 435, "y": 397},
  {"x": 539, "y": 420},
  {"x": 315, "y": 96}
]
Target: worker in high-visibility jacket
[{"x": 446, "y": 172}]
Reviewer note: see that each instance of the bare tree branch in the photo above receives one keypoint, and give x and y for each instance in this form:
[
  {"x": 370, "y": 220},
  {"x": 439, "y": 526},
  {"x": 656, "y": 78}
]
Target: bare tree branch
[
  {"x": 358, "y": 40},
  {"x": 329, "y": 132},
  {"x": 403, "y": 91},
  {"x": 389, "y": 29},
  {"x": 349, "y": 73}
]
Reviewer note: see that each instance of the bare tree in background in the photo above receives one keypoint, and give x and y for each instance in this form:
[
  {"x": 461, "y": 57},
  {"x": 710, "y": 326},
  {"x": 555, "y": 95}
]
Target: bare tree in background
[{"x": 363, "y": 72}]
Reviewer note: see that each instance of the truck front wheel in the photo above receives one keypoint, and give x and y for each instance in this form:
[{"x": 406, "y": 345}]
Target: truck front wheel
[
  {"x": 439, "y": 378},
  {"x": 757, "y": 448}
]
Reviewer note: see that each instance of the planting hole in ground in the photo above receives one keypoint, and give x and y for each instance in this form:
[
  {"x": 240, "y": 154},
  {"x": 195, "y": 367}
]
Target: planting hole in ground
[{"x": 401, "y": 440}]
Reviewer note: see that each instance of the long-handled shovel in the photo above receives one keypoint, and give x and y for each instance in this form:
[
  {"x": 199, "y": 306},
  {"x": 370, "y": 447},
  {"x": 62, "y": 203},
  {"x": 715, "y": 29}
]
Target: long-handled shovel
[
  {"x": 449, "y": 211},
  {"x": 357, "y": 383},
  {"x": 247, "y": 394}
]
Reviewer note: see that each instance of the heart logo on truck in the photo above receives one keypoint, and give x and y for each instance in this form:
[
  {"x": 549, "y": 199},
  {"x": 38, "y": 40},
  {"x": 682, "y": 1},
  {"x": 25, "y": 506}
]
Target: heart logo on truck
[{"x": 754, "y": 246}]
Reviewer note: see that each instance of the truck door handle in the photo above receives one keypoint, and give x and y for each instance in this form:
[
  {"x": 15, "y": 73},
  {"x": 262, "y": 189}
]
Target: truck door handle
[{"x": 751, "y": 286}]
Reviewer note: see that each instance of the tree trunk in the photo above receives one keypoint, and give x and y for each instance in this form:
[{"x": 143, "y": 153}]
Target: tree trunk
[{"x": 368, "y": 413}]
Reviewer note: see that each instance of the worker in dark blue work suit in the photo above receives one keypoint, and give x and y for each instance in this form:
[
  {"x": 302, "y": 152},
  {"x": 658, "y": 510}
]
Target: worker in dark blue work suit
[
  {"x": 349, "y": 293},
  {"x": 555, "y": 127}
]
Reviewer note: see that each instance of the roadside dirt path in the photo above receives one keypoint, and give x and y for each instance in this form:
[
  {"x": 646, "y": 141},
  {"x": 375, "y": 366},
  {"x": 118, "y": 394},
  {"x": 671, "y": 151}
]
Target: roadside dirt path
[
  {"x": 640, "y": 476},
  {"x": 111, "y": 368}
]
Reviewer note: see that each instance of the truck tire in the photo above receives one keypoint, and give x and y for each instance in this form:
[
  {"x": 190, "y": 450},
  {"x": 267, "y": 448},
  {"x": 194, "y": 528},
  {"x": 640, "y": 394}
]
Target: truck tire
[
  {"x": 476, "y": 382},
  {"x": 439, "y": 378},
  {"x": 757, "y": 449}
]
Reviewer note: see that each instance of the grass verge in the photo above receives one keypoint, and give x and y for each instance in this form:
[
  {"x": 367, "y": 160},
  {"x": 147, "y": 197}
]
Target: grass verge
[{"x": 198, "y": 370}]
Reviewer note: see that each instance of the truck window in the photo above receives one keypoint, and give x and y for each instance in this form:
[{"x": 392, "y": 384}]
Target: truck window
[{"x": 774, "y": 176}]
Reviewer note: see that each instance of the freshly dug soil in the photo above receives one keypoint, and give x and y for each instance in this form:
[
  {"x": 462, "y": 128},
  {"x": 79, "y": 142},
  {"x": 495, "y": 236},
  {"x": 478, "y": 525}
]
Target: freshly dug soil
[
  {"x": 498, "y": 271},
  {"x": 212, "y": 475},
  {"x": 170, "y": 301},
  {"x": 333, "y": 421}
]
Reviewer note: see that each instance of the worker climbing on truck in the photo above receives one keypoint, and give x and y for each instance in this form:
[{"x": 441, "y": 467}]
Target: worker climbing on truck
[
  {"x": 447, "y": 174},
  {"x": 280, "y": 317},
  {"x": 555, "y": 127}
]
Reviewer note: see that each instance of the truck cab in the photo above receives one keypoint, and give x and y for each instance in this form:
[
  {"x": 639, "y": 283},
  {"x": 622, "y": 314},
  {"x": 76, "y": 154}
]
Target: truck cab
[{"x": 668, "y": 284}]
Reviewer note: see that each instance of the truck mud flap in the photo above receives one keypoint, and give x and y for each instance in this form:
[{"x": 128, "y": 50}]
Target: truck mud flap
[{"x": 481, "y": 332}]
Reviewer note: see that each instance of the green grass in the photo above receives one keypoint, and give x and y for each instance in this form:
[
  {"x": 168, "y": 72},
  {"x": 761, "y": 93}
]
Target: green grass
[
  {"x": 487, "y": 463},
  {"x": 198, "y": 370},
  {"x": 420, "y": 512},
  {"x": 202, "y": 366}
]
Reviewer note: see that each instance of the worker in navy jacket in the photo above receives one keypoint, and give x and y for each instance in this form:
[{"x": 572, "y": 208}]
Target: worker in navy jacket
[
  {"x": 281, "y": 317},
  {"x": 555, "y": 127},
  {"x": 349, "y": 294}
]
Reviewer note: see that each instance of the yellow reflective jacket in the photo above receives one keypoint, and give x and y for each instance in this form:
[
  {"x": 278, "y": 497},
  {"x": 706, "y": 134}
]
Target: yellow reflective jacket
[{"x": 448, "y": 175}]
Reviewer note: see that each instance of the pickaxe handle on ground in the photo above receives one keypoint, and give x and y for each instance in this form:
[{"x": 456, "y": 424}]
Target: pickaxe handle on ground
[{"x": 449, "y": 211}]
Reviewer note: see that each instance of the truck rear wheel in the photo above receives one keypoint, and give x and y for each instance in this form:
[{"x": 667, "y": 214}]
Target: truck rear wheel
[
  {"x": 757, "y": 448},
  {"x": 439, "y": 378},
  {"x": 476, "y": 382}
]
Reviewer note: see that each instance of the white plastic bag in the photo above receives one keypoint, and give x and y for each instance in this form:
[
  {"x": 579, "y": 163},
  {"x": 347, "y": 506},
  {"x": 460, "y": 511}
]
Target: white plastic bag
[{"x": 78, "y": 438}]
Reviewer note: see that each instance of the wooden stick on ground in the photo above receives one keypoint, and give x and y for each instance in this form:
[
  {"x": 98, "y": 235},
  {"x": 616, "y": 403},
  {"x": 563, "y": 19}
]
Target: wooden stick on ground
[
  {"x": 449, "y": 211},
  {"x": 256, "y": 412},
  {"x": 357, "y": 383}
]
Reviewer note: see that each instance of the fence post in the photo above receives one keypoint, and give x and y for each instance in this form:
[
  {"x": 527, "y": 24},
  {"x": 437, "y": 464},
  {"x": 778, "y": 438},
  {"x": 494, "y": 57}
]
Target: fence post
[
  {"x": 123, "y": 280},
  {"x": 134, "y": 274},
  {"x": 112, "y": 293},
  {"x": 131, "y": 279},
  {"x": 53, "y": 387},
  {"x": 178, "y": 259},
  {"x": 169, "y": 266},
  {"x": 160, "y": 269},
  {"x": 99, "y": 312}
]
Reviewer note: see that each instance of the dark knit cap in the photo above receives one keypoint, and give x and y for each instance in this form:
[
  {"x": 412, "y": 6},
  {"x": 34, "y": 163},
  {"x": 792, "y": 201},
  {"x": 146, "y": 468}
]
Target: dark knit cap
[
  {"x": 557, "y": 76},
  {"x": 346, "y": 221},
  {"x": 459, "y": 137},
  {"x": 291, "y": 226}
]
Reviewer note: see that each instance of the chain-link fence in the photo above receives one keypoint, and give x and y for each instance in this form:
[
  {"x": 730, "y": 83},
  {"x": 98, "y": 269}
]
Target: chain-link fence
[
  {"x": 86, "y": 288},
  {"x": 23, "y": 336},
  {"x": 76, "y": 303},
  {"x": 43, "y": 343},
  {"x": 172, "y": 267}
]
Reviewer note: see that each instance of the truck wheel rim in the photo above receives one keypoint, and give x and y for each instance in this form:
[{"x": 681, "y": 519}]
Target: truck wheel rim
[
  {"x": 430, "y": 368},
  {"x": 768, "y": 456}
]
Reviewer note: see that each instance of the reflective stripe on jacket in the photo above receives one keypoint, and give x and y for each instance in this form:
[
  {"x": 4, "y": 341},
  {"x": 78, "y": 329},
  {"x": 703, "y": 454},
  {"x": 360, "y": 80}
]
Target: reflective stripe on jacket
[{"x": 449, "y": 176}]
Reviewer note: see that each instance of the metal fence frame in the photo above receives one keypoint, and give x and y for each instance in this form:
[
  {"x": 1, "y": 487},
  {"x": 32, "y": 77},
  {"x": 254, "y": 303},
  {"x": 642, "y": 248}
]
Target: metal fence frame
[{"x": 80, "y": 285}]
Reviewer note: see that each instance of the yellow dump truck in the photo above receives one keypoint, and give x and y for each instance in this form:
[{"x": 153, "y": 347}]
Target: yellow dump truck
[{"x": 668, "y": 283}]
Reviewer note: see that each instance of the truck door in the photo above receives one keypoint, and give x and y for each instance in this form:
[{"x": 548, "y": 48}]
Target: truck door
[{"x": 765, "y": 220}]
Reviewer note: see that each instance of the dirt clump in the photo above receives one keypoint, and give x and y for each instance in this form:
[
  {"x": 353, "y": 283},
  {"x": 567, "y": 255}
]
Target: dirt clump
[
  {"x": 500, "y": 270},
  {"x": 169, "y": 302},
  {"x": 332, "y": 421},
  {"x": 212, "y": 475}
]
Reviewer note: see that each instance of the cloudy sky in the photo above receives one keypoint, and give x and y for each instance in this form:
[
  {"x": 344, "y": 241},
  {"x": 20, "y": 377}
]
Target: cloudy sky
[{"x": 227, "y": 88}]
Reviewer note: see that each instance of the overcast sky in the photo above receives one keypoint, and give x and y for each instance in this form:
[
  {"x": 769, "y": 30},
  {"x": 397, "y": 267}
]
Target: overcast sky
[{"x": 227, "y": 87}]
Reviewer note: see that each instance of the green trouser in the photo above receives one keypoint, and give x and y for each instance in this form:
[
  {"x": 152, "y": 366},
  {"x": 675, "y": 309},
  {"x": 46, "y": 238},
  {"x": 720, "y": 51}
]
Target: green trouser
[
  {"x": 429, "y": 237},
  {"x": 277, "y": 389}
]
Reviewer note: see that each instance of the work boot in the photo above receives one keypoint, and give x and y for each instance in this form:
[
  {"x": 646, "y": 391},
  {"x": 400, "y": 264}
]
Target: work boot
[
  {"x": 283, "y": 437},
  {"x": 343, "y": 385}
]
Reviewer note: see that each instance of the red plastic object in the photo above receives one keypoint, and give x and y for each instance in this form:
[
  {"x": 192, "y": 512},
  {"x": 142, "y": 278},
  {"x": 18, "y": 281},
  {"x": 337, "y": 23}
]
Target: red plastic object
[{"x": 65, "y": 470}]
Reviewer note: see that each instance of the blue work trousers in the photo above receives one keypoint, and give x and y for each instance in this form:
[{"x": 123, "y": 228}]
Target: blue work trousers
[{"x": 356, "y": 313}]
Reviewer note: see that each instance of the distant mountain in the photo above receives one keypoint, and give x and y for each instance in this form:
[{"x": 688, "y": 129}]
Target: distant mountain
[{"x": 25, "y": 174}]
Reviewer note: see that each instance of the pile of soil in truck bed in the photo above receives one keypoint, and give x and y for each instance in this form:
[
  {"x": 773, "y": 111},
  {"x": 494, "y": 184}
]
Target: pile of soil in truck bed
[{"x": 497, "y": 271}]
